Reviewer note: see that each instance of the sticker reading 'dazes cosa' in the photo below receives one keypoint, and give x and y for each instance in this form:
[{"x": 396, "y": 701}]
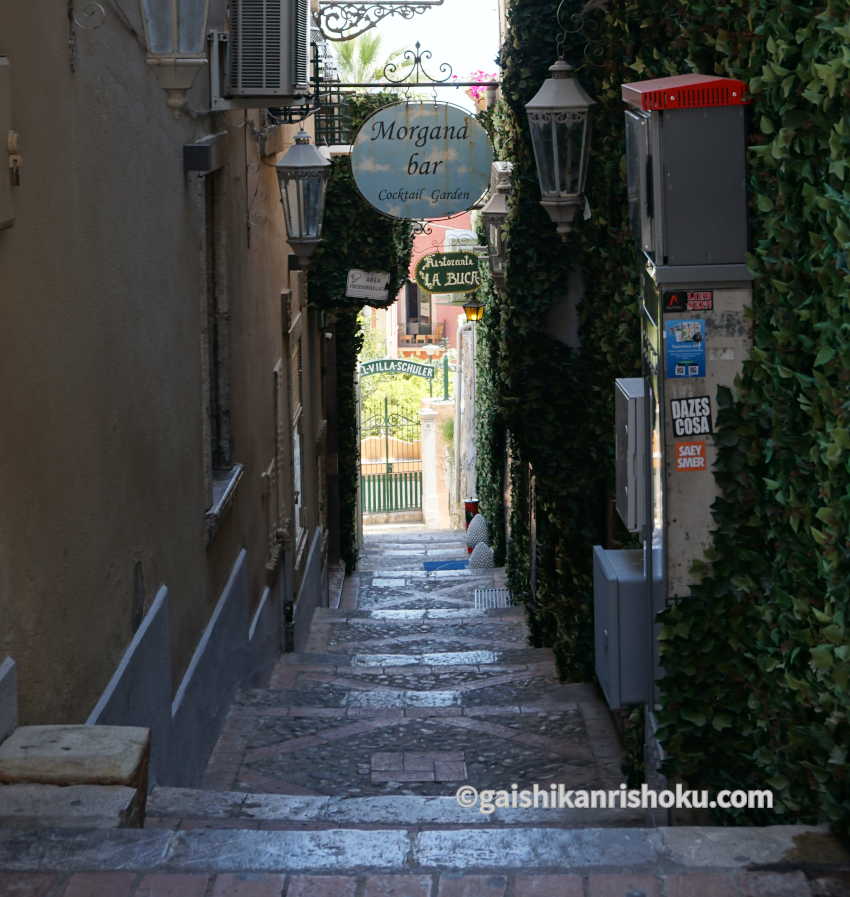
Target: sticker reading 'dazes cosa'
[{"x": 691, "y": 416}]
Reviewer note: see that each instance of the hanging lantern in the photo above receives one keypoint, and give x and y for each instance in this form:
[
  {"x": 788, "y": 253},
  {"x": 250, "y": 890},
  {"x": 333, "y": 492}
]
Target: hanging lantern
[
  {"x": 175, "y": 35},
  {"x": 558, "y": 120},
  {"x": 493, "y": 215},
  {"x": 303, "y": 179}
]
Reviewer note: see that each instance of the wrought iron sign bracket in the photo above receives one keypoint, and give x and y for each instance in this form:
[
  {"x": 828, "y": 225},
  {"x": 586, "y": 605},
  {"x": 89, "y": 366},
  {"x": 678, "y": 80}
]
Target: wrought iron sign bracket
[{"x": 346, "y": 19}]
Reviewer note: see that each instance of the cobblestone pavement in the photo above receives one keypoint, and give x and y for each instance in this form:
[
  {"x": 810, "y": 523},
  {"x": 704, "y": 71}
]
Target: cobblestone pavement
[
  {"x": 416, "y": 692},
  {"x": 338, "y": 778}
]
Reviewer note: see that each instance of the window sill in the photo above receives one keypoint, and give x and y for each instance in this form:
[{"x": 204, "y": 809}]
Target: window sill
[{"x": 224, "y": 486}]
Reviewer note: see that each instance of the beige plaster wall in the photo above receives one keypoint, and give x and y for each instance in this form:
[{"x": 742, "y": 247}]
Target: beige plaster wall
[{"x": 101, "y": 284}]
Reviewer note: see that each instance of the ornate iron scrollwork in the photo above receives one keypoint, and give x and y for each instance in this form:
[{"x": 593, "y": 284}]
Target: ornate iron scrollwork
[
  {"x": 414, "y": 70},
  {"x": 346, "y": 19}
]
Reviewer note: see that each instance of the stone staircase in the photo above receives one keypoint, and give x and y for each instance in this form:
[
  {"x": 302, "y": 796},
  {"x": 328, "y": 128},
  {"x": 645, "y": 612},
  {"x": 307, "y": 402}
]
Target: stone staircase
[{"x": 339, "y": 777}]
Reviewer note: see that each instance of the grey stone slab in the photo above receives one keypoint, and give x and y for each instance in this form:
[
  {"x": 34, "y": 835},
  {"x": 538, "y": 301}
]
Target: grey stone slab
[
  {"x": 179, "y": 802},
  {"x": 8, "y": 697},
  {"x": 535, "y": 848},
  {"x": 72, "y": 850},
  {"x": 291, "y": 808},
  {"x": 448, "y": 658},
  {"x": 219, "y": 663},
  {"x": 209, "y": 850},
  {"x": 740, "y": 846},
  {"x": 139, "y": 692},
  {"x": 74, "y": 806}
]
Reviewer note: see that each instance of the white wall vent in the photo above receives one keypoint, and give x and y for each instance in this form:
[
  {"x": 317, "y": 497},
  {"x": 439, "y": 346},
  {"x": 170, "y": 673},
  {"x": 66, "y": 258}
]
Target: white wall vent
[{"x": 268, "y": 50}]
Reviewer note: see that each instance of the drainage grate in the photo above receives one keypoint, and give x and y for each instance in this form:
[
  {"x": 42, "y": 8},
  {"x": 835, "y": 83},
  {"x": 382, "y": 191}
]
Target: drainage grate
[{"x": 493, "y": 598}]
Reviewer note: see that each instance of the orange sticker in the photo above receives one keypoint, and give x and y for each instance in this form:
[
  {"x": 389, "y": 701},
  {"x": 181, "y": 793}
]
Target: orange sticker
[{"x": 690, "y": 455}]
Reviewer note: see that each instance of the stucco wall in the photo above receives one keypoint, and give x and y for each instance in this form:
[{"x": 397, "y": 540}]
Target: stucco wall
[{"x": 103, "y": 288}]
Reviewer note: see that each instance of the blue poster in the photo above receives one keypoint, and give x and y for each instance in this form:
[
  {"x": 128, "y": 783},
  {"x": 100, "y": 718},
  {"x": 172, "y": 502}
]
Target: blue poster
[{"x": 684, "y": 347}]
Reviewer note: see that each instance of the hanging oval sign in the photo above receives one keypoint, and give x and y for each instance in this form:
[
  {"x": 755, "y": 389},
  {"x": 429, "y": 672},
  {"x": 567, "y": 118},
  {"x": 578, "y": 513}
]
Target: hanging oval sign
[
  {"x": 448, "y": 272},
  {"x": 421, "y": 160}
]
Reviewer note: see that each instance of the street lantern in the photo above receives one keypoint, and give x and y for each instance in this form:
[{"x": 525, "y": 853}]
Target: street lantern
[
  {"x": 473, "y": 310},
  {"x": 493, "y": 215},
  {"x": 175, "y": 35},
  {"x": 558, "y": 120},
  {"x": 303, "y": 179}
]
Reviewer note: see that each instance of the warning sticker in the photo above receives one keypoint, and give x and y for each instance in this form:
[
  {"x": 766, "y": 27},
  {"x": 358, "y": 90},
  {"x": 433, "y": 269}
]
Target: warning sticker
[
  {"x": 688, "y": 300},
  {"x": 690, "y": 455},
  {"x": 691, "y": 416}
]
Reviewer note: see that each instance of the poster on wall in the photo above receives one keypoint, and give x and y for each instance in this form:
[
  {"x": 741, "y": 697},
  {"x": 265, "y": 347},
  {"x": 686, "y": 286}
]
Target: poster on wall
[
  {"x": 688, "y": 300},
  {"x": 690, "y": 456},
  {"x": 421, "y": 160},
  {"x": 367, "y": 285},
  {"x": 691, "y": 416},
  {"x": 684, "y": 348}
]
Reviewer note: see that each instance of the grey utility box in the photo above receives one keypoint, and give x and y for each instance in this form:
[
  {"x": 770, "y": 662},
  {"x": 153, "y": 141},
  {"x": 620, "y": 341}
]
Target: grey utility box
[
  {"x": 685, "y": 154},
  {"x": 621, "y": 618},
  {"x": 630, "y": 442}
]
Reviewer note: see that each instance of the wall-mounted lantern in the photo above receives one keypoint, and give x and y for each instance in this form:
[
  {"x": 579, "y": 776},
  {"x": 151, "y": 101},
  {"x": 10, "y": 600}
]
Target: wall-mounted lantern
[
  {"x": 560, "y": 136},
  {"x": 474, "y": 311},
  {"x": 176, "y": 35},
  {"x": 493, "y": 215},
  {"x": 303, "y": 175}
]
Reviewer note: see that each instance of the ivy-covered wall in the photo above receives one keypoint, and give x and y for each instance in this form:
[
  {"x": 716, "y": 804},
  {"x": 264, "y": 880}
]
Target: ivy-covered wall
[
  {"x": 758, "y": 660},
  {"x": 355, "y": 235}
]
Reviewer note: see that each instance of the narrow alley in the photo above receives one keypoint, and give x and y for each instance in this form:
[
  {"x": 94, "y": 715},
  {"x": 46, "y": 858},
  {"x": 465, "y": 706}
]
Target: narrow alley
[{"x": 339, "y": 777}]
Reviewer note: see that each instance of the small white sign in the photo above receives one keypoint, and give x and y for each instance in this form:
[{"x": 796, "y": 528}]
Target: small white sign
[{"x": 368, "y": 285}]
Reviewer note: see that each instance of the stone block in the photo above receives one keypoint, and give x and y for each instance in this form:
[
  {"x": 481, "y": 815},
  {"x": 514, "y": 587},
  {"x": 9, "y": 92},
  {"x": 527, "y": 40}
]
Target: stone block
[
  {"x": 78, "y": 755},
  {"x": 8, "y": 698},
  {"x": 74, "y": 806}
]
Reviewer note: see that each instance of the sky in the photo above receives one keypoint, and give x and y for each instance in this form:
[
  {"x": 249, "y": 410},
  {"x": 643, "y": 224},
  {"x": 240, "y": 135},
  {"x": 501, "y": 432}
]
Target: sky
[{"x": 463, "y": 33}]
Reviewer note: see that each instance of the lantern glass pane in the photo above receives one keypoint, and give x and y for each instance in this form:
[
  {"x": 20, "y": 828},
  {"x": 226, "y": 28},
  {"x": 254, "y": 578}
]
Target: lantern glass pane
[
  {"x": 192, "y": 26},
  {"x": 542, "y": 140},
  {"x": 159, "y": 19},
  {"x": 569, "y": 137},
  {"x": 292, "y": 208},
  {"x": 312, "y": 200}
]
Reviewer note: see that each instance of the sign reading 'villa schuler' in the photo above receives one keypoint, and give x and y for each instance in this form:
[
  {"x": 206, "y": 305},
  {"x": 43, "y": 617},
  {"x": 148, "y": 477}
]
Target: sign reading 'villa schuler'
[
  {"x": 448, "y": 272},
  {"x": 421, "y": 160}
]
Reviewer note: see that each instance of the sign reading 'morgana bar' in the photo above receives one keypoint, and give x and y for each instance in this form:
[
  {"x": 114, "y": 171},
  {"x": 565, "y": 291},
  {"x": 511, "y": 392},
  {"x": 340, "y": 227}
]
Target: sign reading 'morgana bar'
[
  {"x": 448, "y": 272},
  {"x": 397, "y": 366},
  {"x": 421, "y": 160}
]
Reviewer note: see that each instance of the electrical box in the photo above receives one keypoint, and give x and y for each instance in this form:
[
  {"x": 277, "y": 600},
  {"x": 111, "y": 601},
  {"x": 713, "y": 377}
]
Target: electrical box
[
  {"x": 630, "y": 451},
  {"x": 621, "y": 618},
  {"x": 685, "y": 163},
  {"x": 7, "y": 215}
]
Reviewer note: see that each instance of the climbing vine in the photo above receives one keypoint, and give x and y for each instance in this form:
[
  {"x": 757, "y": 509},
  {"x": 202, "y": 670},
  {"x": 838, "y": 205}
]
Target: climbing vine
[
  {"x": 355, "y": 236},
  {"x": 758, "y": 658}
]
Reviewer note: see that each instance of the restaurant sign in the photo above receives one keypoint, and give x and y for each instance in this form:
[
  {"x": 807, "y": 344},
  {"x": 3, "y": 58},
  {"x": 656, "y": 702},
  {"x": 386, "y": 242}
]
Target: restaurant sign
[
  {"x": 397, "y": 366},
  {"x": 421, "y": 160},
  {"x": 448, "y": 272}
]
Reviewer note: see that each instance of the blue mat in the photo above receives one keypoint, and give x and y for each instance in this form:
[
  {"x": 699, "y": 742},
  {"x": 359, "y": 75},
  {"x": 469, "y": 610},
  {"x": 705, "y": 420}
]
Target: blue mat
[{"x": 445, "y": 565}]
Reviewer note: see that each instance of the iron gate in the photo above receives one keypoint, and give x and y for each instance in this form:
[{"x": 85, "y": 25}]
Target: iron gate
[{"x": 391, "y": 461}]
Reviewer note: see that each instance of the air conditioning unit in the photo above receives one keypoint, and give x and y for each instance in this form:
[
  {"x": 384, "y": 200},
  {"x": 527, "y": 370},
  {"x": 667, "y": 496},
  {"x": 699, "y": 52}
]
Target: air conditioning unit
[{"x": 264, "y": 60}]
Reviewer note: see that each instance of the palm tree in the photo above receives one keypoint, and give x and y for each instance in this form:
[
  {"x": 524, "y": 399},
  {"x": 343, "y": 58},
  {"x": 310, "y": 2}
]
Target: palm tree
[{"x": 360, "y": 60}]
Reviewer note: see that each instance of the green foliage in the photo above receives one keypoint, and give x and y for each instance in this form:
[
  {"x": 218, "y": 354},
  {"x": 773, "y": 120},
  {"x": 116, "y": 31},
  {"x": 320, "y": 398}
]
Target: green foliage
[
  {"x": 758, "y": 659},
  {"x": 355, "y": 236}
]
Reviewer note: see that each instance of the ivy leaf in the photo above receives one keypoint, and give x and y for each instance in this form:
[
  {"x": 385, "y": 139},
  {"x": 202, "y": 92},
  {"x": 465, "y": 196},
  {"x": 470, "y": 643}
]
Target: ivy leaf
[{"x": 826, "y": 354}]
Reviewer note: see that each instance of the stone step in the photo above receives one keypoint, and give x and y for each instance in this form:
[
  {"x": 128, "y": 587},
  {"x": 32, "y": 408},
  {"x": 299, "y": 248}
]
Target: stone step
[
  {"x": 358, "y": 635},
  {"x": 362, "y": 660},
  {"x": 367, "y": 734},
  {"x": 447, "y": 616},
  {"x": 69, "y": 806},
  {"x": 704, "y": 861},
  {"x": 186, "y": 807}
]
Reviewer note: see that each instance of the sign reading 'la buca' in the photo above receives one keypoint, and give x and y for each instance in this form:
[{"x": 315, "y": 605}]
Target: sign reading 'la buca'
[
  {"x": 396, "y": 366},
  {"x": 448, "y": 272},
  {"x": 421, "y": 160}
]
